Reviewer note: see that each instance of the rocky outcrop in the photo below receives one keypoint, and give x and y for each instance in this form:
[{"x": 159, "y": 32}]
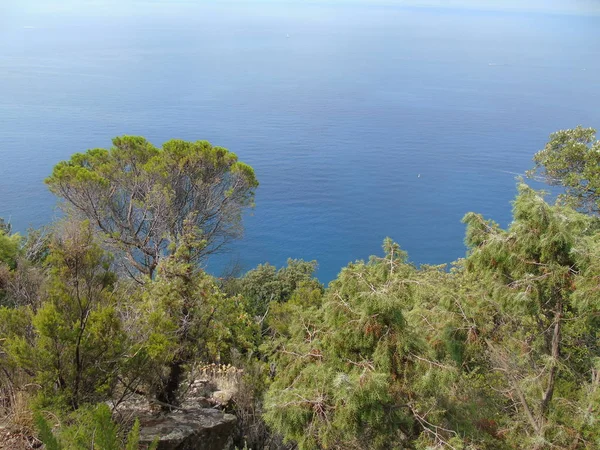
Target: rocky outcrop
[
  {"x": 198, "y": 422},
  {"x": 222, "y": 398},
  {"x": 200, "y": 429}
]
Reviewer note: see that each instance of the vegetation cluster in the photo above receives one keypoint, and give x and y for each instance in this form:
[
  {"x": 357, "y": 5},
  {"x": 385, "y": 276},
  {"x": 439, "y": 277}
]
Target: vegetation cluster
[{"x": 497, "y": 350}]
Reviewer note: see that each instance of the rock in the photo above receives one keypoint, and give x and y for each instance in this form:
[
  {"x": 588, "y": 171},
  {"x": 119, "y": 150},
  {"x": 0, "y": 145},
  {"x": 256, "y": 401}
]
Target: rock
[
  {"x": 222, "y": 397},
  {"x": 200, "y": 429},
  {"x": 197, "y": 402}
]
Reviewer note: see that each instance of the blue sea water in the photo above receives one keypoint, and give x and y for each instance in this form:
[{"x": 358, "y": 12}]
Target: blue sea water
[{"x": 362, "y": 120}]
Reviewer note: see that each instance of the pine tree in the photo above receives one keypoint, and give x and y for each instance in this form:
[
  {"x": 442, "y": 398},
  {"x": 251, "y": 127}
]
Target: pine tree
[
  {"x": 539, "y": 328},
  {"x": 189, "y": 318},
  {"x": 359, "y": 372},
  {"x": 78, "y": 342}
]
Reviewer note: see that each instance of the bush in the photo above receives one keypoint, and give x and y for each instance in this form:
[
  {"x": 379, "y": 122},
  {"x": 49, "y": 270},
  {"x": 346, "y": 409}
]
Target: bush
[{"x": 89, "y": 427}]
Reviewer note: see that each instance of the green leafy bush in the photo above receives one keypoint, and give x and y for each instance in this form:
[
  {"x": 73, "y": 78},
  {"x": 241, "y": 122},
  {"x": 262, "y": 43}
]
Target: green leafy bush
[{"x": 89, "y": 427}]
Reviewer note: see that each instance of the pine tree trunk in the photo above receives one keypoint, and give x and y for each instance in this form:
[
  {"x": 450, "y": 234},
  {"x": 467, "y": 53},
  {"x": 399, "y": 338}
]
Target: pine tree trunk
[{"x": 168, "y": 394}]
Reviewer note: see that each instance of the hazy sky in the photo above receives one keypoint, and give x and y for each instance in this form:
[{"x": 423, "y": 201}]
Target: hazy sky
[
  {"x": 552, "y": 6},
  {"x": 121, "y": 6}
]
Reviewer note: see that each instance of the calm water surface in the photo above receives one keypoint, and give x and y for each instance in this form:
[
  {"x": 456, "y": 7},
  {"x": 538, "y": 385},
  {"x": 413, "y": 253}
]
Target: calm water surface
[{"x": 361, "y": 121}]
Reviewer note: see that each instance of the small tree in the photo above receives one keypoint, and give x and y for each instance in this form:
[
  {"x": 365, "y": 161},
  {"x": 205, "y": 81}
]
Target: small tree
[
  {"x": 22, "y": 272},
  {"x": 78, "y": 342},
  {"x": 189, "y": 318},
  {"x": 571, "y": 159},
  {"x": 266, "y": 284},
  {"x": 140, "y": 196},
  {"x": 89, "y": 427},
  {"x": 9, "y": 246}
]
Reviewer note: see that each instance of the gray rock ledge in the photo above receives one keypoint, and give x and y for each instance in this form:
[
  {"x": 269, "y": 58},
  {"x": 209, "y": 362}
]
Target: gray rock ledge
[{"x": 198, "y": 429}]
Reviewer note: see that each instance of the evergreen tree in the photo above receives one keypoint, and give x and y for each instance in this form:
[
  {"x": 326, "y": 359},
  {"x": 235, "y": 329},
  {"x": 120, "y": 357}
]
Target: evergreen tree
[
  {"x": 539, "y": 329},
  {"x": 77, "y": 340},
  {"x": 189, "y": 318},
  {"x": 356, "y": 373},
  {"x": 139, "y": 196},
  {"x": 571, "y": 159},
  {"x": 90, "y": 427},
  {"x": 266, "y": 284},
  {"x": 9, "y": 246}
]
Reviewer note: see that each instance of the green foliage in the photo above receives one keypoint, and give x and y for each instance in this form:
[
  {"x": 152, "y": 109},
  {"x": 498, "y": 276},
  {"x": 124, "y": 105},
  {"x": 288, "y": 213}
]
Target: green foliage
[
  {"x": 88, "y": 427},
  {"x": 190, "y": 319},
  {"x": 281, "y": 315},
  {"x": 266, "y": 284},
  {"x": 45, "y": 433},
  {"x": 539, "y": 341},
  {"x": 140, "y": 196},
  {"x": 21, "y": 271},
  {"x": 14, "y": 322},
  {"x": 133, "y": 438},
  {"x": 5, "y": 227},
  {"x": 78, "y": 341},
  {"x": 571, "y": 159},
  {"x": 9, "y": 248},
  {"x": 356, "y": 373},
  {"x": 15, "y": 338},
  {"x": 499, "y": 352}
]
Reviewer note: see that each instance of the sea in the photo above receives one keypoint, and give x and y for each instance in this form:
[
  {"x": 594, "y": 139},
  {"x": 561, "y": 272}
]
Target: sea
[{"x": 362, "y": 119}]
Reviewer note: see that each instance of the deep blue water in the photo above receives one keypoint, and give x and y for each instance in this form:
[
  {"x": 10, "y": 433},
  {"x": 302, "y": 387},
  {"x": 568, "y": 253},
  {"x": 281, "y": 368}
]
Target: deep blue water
[{"x": 338, "y": 119}]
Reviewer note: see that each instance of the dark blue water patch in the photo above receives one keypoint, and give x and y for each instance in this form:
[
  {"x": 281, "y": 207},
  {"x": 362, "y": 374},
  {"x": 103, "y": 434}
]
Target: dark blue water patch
[{"x": 365, "y": 122}]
